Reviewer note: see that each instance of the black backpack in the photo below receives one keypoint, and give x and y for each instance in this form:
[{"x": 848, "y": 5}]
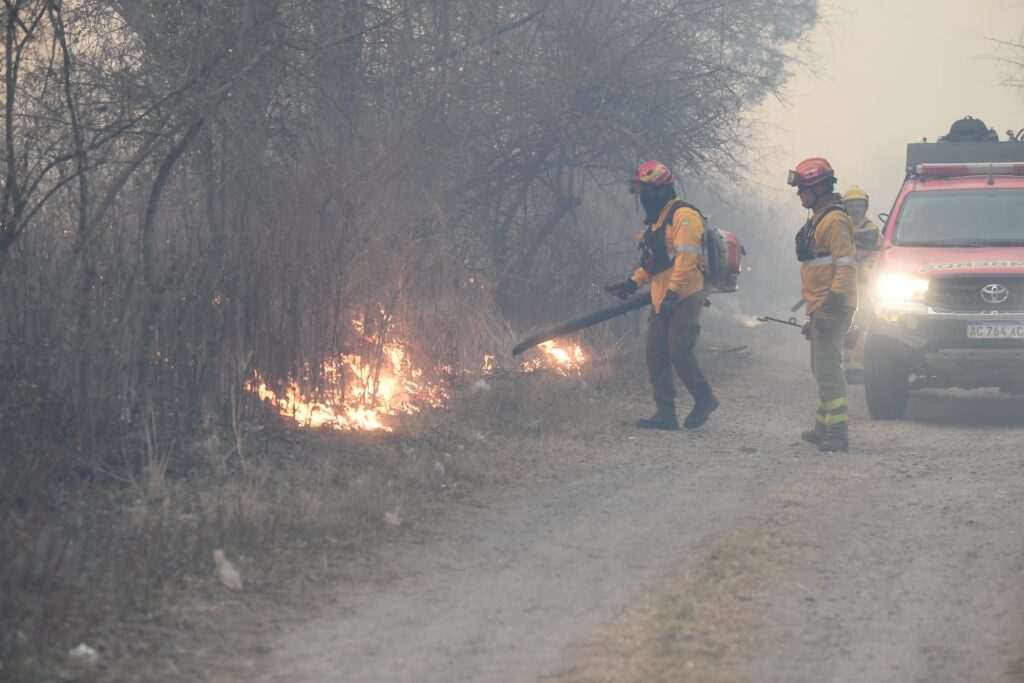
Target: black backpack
[{"x": 969, "y": 129}]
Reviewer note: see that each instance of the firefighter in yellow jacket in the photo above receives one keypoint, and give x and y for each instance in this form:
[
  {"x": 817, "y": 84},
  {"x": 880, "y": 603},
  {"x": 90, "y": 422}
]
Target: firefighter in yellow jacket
[
  {"x": 867, "y": 238},
  {"x": 828, "y": 275},
  {"x": 671, "y": 263}
]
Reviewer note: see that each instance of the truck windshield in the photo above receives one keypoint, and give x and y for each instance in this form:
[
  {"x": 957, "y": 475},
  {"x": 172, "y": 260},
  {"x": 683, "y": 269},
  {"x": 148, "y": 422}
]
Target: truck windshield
[{"x": 961, "y": 218}]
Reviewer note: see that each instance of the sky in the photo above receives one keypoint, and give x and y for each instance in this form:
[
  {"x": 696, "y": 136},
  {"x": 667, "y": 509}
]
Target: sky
[{"x": 889, "y": 72}]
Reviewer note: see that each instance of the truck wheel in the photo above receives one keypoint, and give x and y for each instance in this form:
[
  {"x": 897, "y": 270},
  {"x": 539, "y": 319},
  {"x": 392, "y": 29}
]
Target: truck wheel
[{"x": 886, "y": 379}]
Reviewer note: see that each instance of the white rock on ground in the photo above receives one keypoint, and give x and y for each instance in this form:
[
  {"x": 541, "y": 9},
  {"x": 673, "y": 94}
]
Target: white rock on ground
[
  {"x": 229, "y": 577},
  {"x": 393, "y": 518},
  {"x": 84, "y": 656}
]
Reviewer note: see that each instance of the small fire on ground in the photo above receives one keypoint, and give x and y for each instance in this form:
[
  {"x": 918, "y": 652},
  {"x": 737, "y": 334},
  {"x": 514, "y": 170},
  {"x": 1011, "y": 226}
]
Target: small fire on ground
[
  {"x": 564, "y": 359},
  {"x": 359, "y": 391},
  {"x": 365, "y": 391}
]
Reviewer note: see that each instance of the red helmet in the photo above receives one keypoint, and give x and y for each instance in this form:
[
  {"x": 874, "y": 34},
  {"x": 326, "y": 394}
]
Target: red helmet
[
  {"x": 810, "y": 172},
  {"x": 651, "y": 173}
]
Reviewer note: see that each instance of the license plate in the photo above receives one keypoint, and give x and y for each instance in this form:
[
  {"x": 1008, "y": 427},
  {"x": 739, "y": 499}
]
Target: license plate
[{"x": 995, "y": 329}]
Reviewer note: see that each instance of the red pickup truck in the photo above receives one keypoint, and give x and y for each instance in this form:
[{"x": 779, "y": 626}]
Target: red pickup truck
[{"x": 947, "y": 288}]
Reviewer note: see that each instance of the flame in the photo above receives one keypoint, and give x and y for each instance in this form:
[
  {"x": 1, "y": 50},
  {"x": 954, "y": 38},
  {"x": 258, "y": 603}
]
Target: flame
[
  {"x": 359, "y": 391},
  {"x": 565, "y": 360},
  {"x": 366, "y": 390}
]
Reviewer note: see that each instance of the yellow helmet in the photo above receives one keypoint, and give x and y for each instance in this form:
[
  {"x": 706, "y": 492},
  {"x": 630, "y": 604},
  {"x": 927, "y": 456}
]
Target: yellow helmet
[{"x": 855, "y": 193}]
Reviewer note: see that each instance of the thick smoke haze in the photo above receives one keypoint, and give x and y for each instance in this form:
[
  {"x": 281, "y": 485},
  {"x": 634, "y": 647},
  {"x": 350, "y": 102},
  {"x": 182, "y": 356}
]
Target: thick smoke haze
[{"x": 884, "y": 73}]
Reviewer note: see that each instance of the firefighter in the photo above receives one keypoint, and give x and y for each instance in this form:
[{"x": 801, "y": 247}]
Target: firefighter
[
  {"x": 670, "y": 263},
  {"x": 828, "y": 275},
  {"x": 867, "y": 238}
]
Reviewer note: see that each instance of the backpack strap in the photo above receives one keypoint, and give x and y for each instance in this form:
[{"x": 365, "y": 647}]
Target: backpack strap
[
  {"x": 675, "y": 206},
  {"x": 827, "y": 211},
  {"x": 805, "y": 240},
  {"x": 654, "y": 256},
  {"x": 815, "y": 224}
]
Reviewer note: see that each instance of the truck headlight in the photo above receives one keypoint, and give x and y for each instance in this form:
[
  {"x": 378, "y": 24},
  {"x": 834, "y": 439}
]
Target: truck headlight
[
  {"x": 895, "y": 294},
  {"x": 897, "y": 287}
]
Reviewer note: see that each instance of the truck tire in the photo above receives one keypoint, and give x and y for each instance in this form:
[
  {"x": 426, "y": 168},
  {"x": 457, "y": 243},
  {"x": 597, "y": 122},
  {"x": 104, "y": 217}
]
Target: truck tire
[{"x": 886, "y": 378}]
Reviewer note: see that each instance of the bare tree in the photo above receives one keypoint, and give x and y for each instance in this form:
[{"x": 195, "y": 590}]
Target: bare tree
[
  {"x": 191, "y": 190},
  {"x": 1012, "y": 57}
]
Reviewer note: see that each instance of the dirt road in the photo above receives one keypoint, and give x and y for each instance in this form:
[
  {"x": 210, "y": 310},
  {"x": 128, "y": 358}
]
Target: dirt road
[{"x": 735, "y": 553}]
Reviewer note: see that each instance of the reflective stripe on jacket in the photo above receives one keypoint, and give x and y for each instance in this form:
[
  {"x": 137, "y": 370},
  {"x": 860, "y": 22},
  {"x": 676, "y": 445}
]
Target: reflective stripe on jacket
[
  {"x": 683, "y": 240},
  {"x": 834, "y": 266}
]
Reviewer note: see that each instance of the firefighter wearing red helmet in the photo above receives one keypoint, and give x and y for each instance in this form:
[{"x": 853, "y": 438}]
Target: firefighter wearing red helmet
[
  {"x": 670, "y": 262},
  {"x": 828, "y": 275}
]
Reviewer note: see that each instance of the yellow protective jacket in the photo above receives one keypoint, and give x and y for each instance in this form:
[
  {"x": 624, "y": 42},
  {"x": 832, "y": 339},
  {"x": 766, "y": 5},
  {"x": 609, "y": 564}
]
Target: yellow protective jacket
[
  {"x": 683, "y": 240},
  {"x": 866, "y": 232},
  {"x": 834, "y": 266}
]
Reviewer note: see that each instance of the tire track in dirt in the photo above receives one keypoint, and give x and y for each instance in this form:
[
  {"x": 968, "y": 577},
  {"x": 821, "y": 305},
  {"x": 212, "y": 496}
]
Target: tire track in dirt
[
  {"x": 709, "y": 613},
  {"x": 497, "y": 598}
]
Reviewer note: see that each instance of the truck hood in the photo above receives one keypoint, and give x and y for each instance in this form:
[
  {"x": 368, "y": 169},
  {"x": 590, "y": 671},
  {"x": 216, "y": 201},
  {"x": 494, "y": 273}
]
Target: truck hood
[{"x": 931, "y": 261}]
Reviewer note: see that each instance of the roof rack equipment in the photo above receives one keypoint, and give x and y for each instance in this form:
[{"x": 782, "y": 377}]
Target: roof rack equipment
[{"x": 972, "y": 158}]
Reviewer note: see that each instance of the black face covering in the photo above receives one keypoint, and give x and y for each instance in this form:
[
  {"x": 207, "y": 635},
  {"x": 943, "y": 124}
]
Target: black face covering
[{"x": 654, "y": 205}]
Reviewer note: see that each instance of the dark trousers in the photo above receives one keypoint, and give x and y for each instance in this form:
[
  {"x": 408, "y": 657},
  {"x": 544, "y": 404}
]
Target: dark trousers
[
  {"x": 671, "y": 339},
  {"x": 827, "y": 335}
]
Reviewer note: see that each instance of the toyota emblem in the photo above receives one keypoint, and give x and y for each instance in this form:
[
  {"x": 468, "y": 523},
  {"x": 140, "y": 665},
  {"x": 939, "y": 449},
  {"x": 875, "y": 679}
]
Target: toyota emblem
[{"x": 995, "y": 293}]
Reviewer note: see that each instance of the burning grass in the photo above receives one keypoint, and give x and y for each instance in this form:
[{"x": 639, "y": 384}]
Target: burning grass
[
  {"x": 564, "y": 358},
  {"x": 358, "y": 391},
  {"x": 368, "y": 389}
]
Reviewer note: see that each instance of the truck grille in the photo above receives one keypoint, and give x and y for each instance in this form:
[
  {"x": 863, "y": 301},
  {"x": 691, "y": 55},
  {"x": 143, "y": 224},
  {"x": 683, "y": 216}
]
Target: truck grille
[{"x": 967, "y": 293}]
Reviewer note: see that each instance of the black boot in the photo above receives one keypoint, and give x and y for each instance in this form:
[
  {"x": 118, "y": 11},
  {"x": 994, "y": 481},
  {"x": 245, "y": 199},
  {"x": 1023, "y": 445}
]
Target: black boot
[
  {"x": 664, "y": 418},
  {"x": 701, "y": 412},
  {"x": 836, "y": 440},
  {"x": 814, "y": 436}
]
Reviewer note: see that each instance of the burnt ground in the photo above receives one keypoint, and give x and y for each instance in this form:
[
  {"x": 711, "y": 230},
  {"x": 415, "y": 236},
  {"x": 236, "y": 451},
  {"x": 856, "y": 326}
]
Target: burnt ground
[{"x": 734, "y": 553}]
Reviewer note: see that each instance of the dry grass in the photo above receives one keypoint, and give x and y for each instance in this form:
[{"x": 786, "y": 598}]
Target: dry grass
[
  {"x": 715, "y": 611},
  {"x": 93, "y": 558}
]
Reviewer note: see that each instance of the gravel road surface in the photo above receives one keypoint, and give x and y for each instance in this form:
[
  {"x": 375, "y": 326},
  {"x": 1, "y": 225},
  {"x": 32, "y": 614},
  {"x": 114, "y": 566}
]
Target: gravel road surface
[{"x": 901, "y": 561}]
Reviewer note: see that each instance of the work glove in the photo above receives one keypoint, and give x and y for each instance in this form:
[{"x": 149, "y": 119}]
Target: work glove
[
  {"x": 623, "y": 290},
  {"x": 806, "y": 330},
  {"x": 852, "y": 338},
  {"x": 668, "y": 304}
]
